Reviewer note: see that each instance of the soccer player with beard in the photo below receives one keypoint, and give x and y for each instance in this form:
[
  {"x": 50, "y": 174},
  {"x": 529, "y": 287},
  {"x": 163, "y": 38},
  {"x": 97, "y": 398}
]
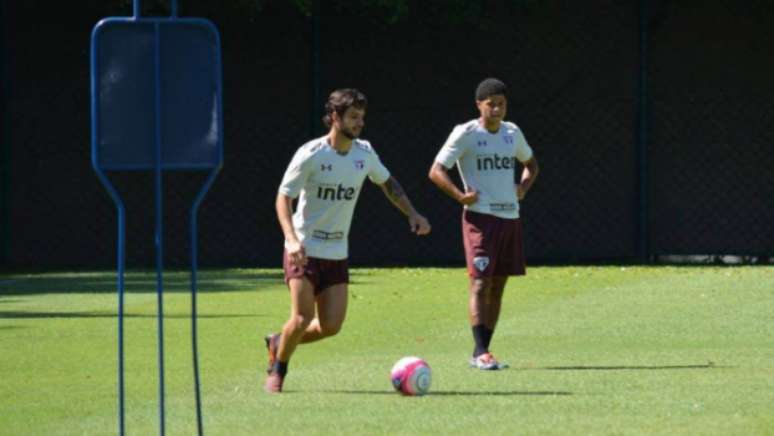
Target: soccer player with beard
[
  {"x": 486, "y": 151},
  {"x": 327, "y": 173}
]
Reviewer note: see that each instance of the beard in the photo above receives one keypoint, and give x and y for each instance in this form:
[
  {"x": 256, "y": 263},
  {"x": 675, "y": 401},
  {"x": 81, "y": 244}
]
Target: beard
[{"x": 348, "y": 133}]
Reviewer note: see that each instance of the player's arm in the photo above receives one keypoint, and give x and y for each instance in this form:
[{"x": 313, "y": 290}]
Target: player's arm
[
  {"x": 296, "y": 175},
  {"x": 440, "y": 176},
  {"x": 284, "y": 206},
  {"x": 528, "y": 176},
  {"x": 395, "y": 193}
]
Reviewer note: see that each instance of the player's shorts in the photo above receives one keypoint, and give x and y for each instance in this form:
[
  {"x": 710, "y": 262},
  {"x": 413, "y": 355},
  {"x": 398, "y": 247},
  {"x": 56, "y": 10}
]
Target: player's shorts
[
  {"x": 323, "y": 273},
  {"x": 493, "y": 245}
]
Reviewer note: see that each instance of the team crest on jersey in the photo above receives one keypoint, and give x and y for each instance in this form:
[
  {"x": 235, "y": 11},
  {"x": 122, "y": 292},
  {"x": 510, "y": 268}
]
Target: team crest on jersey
[
  {"x": 360, "y": 164},
  {"x": 481, "y": 262},
  {"x": 482, "y": 143}
]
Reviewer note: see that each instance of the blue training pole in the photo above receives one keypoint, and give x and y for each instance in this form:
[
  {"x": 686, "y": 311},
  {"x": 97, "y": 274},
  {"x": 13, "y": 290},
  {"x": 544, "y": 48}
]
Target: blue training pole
[
  {"x": 159, "y": 232},
  {"x": 121, "y": 250},
  {"x": 121, "y": 261},
  {"x": 194, "y": 270}
]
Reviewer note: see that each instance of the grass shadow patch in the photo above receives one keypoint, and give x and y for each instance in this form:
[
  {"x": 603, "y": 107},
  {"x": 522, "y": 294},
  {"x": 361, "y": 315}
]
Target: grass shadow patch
[
  {"x": 141, "y": 282},
  {"x": 456, "y": 393},
  {"x": 708, "y": 365},
  {"x": 78, "y": 315}
]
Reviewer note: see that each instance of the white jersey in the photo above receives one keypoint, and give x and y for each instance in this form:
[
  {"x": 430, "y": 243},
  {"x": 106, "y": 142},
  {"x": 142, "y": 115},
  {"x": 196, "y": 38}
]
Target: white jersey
[
  {"x": 329, "y": 184},
  {"x": 487, "y": 164}
]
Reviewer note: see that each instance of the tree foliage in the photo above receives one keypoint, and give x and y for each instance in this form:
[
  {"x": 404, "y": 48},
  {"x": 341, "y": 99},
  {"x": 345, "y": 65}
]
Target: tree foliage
[{"x": 385, "y": 11}]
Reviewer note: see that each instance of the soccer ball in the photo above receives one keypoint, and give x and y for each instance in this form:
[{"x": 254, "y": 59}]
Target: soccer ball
[{"x": 411, "y": 376}]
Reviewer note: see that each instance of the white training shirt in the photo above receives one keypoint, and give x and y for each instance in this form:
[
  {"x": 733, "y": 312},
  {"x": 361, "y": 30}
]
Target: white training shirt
[
  {"x": 329, "y": 184},
  {"x": 487, "y": 164}
]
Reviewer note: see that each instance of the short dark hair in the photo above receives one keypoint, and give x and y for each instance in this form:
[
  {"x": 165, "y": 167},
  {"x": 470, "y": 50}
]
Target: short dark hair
[
  {"x": 342, "y": 99},
  {"x": 489, "y": 87}
]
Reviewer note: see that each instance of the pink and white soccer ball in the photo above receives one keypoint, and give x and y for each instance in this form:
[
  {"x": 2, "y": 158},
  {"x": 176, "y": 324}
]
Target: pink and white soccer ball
[{"x": 411, "y": 376}]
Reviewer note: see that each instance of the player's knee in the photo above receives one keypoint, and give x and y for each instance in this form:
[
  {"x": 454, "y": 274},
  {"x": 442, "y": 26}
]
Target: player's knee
[
  {"x": 479, "y": 287},
  {"x": 300, "y": 322},
  {"x": 330, "y": 329}
]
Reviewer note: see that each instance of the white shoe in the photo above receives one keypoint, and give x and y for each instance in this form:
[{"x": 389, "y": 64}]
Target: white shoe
[{"x": 487, "y": 362}]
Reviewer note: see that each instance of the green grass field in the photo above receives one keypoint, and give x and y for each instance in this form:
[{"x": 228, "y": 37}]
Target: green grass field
[{"x": 593, "y": 350}]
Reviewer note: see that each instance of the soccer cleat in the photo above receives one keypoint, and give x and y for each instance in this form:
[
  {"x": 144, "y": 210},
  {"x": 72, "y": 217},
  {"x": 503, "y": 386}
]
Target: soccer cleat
[
  {"x": 273, "y": 384},
  {"x": 272, "y": 346},
  {"x": 487, "y": 362}
]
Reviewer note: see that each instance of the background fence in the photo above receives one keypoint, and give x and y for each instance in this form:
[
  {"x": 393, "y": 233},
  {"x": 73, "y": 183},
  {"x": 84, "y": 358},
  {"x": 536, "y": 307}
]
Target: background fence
[{"x": 651, "y": 121}]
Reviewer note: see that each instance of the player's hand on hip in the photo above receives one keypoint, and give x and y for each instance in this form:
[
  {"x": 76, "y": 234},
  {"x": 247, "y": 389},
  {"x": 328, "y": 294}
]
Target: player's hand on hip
[
  {"x": 468, "y": 198},
  {"x": 296, "y": 253},
  {"x": 419, "y": 224}
]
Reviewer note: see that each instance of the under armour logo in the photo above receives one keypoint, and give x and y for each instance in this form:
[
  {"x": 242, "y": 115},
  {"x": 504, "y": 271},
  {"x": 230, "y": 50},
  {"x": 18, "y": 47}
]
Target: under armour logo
[
  {"x": 482, "y": 143},
  {"x": 481, "y": 262},
  {"x": 359, "y": 164},
  {"x": 324, "y": 167}
]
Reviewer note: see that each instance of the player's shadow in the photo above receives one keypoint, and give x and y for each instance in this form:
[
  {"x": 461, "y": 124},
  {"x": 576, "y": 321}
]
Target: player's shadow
[
  {"x": 458, "y": 393},
  {"x": 708, "y": 365}
]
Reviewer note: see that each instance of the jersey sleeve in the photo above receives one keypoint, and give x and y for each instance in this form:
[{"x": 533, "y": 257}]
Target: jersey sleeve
[
  {"x": 378, "y": 173},
  {"x": 296, "y": 174},
  {"x": 453, "y": 149},
  {"x": 523, "y": 150}
]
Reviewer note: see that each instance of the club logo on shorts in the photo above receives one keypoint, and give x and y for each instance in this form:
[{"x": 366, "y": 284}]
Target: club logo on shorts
[{"x": 481, "y": 262}]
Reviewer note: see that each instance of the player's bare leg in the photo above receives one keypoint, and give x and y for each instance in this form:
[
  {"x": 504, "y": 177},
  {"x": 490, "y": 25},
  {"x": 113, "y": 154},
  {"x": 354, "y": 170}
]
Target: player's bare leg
[
  {"x": 483, "y": 310},
  {"x": 479, "y": 288},
  {"x": 302, "y": 303},
  {"x": 331, "y": 311},
  {"x": 493, "y": 303},
  {"x": 302, "y": 308}
]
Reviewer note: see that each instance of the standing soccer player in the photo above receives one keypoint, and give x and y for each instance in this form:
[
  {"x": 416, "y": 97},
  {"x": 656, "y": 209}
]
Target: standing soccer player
[
  {"x": 486, "y": 151},
  {"x": 327, "y": 173}
]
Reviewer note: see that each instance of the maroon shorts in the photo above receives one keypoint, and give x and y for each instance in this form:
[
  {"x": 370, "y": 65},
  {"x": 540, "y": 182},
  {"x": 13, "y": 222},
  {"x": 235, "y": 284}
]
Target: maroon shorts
[
  {"x": 493, "y": 245},
  {"x": 323, "y": 273}
]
